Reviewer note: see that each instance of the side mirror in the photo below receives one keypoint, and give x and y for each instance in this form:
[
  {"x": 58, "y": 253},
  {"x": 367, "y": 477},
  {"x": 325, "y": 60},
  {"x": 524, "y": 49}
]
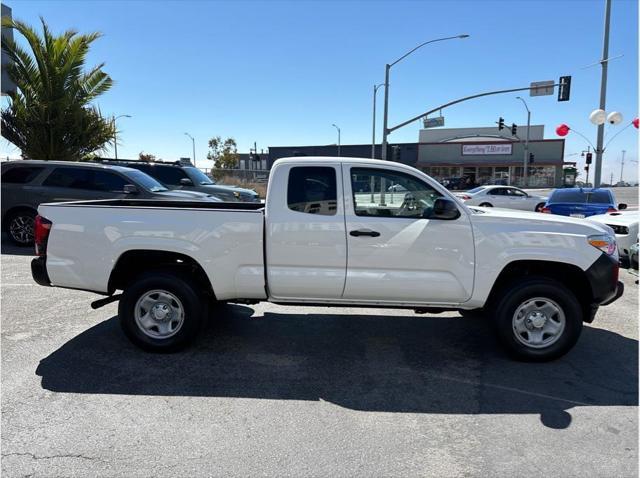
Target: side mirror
[
  {"x": 186, "y": 182},
  {"x": 130, "y": 189},
  {"x": 622, "y": 206},
  {"x": 444, "y": 209}
]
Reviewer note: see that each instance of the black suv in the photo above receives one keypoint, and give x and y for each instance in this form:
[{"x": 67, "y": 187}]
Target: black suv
[
  {"x": 26, "y": 184},
  {"x": 186, "y": 177}
]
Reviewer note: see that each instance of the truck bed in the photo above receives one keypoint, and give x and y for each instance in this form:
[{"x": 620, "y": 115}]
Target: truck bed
[{"x": 89, "y": 237}]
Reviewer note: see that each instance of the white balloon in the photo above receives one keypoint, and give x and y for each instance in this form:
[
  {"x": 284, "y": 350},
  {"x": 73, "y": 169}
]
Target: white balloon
[
  {"x": 614, "y": 117},
  {"x": 598, "y": 117}
]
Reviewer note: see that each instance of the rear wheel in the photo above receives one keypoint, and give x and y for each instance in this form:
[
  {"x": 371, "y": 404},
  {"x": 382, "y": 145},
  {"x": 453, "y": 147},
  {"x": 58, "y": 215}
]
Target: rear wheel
[
  {"x": 19, "y": 227},
  {"x": 486, "y": 204},
  {"x": 538, "y": 319},
  {"x": 161, "y": 311},
  {"x": 539, "y": 207}
]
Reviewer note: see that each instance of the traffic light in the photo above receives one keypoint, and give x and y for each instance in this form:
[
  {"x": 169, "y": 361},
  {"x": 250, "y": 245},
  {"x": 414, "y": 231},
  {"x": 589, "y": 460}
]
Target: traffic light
[
  {"x": 531, "y": 158},
  {"x": 589, "y": 156},
  {"x": 564, "y": 88},
  {"x": 500, "y": 123},
  {"x": 514, "y": 129}
]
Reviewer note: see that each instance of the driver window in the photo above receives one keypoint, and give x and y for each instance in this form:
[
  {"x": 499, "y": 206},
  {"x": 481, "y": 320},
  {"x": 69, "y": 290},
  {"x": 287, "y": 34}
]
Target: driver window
[{"x": 383, "y": 193}]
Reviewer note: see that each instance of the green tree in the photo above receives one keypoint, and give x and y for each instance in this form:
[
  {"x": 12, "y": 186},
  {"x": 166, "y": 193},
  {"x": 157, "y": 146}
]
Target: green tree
[
  {"x": 50, "y": 116},
  {"x": 224, "y": 154},
  {"x": 146, "y": 157}
]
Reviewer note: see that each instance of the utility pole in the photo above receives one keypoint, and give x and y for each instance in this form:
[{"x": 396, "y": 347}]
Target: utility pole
[
  {"x": 526, "y": 144},
  {"x": 603, "y": 92},
  {"x": 193, "y": 143},
  {"x": 622, "y": 165},
  {"x": 338, "y": 138},
  {"x": 373, "y": 135}
]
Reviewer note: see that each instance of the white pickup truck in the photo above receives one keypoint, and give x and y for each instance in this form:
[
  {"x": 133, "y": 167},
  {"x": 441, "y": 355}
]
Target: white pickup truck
[{"x": 333, "y": 232}]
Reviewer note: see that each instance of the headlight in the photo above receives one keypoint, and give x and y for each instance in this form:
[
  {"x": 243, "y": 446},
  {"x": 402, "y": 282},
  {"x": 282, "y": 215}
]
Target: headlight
[{"x": 604, "y": 242}]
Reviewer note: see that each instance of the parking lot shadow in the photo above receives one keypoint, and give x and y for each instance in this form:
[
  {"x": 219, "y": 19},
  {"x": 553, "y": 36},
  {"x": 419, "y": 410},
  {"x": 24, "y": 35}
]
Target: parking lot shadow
[{"x": 417, "y": 364}]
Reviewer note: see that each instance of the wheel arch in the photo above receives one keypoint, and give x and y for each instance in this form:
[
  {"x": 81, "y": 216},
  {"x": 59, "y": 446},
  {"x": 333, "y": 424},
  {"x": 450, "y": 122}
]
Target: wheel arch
[
  {"x": 132, "y": 263},
  {"x": 571, "y": 276}
]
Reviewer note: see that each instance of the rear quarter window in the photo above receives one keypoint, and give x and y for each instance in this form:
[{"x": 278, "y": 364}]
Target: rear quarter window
[
  {"x": 21, "y": 174},
  {"x": 312, "y": 190}
]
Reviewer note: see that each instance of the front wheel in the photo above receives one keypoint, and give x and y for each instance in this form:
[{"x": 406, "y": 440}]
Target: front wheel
[
  {"x": 538, "y": 320},
  {"x": 486, "y": 204},
  {"x": 161, "y": 312}
]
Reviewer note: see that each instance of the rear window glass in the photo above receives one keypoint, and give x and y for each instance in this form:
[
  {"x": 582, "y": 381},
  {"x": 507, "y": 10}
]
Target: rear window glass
[
  {"x": 21, "y": 175},
  {"x": 170, "y": 175},
  {"x": 577, "y": 196},
  {"x": 312, "y": 189}
]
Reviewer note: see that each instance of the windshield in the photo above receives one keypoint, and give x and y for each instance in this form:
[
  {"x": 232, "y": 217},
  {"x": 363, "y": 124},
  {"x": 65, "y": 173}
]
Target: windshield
[
  {"x": 198, "y": 176},
  {"x": 579, "y": 196},
  {"x": 475, "y": 190},
  {"x": 146, "y": 181}
]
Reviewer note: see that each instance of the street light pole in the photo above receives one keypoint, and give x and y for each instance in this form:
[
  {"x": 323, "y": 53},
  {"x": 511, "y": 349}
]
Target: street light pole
[
  {"x": 115, "y": 137},
  {"x": 526, "y": 144},
  {"x": 622, "y": 165},
  {"x": 385, "y": 130},
  {"x": 603, "y": 93},
  {"x": 338, "y": 138},
  {"x": 193, "y": 143},
  {"x": 373, "y": 135}
]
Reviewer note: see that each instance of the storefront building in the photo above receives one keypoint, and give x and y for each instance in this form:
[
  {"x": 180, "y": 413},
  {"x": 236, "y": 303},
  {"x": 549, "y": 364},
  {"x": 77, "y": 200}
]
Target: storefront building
[
  {"x": 464, "y": 157},
  {"x": 476, "y": 156}
]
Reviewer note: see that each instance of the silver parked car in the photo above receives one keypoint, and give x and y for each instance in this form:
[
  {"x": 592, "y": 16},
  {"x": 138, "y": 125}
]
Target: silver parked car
[
  {"x": 503, "y": 196},
  {"x": 28, "y": 183}
]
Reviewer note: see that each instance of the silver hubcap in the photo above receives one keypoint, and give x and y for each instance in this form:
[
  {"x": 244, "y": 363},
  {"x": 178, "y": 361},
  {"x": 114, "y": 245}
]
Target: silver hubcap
[
  {"x": 21, "y": 229},
  {"x": 538, "y": 322},
  {"x": 159, "y": 314}
]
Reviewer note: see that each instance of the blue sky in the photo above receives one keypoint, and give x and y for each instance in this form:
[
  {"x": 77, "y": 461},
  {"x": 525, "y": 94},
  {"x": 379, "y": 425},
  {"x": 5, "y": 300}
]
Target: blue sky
[{"x": 280, "y": 73}]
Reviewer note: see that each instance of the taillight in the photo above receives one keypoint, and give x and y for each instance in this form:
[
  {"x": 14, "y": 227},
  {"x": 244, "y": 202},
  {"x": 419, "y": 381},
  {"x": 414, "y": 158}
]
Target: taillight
[
  {"x": 612, "y": 209},
  {"x": 41, "y": 233},
  {"x": 465, "y": 197},
  {"x": 546, "y": 210}
]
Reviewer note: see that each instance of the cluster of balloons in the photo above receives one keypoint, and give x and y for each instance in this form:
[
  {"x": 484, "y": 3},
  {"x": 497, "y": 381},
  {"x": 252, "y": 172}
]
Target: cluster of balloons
[{"x": 597, "y": 117}]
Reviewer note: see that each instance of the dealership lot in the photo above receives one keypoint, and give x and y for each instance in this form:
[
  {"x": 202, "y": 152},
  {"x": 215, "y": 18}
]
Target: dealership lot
[{"x": 308, "y": 391}]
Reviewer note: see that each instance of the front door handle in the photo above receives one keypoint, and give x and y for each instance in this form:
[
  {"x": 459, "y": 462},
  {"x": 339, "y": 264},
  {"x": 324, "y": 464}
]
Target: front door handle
[{"x": 364, "y": 232}]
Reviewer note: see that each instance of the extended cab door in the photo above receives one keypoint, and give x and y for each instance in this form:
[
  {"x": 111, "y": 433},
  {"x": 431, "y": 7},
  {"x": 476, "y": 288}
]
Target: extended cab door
[
  {"x": 394, "y": 254},
  {"x": 306, "y": 253}
]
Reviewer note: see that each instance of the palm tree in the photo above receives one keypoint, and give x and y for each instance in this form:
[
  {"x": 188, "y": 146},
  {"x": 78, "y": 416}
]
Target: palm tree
[{"x": 50, "y": 116}]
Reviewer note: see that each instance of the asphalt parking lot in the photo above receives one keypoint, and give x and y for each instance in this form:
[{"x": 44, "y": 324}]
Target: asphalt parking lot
[{"x": 308, "y": 391}]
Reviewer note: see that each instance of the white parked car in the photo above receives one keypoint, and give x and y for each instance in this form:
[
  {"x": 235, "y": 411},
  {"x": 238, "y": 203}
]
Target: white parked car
[
  {"x": 503, "y": 196},
  {"x": 625, "y": 227}
]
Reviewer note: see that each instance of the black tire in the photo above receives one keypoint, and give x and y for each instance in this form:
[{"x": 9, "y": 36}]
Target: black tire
[
  {"x": 15, "y": 223},
  {"x": 193, "y": 305},
  {"x": 537, "y": 287},
  {"x": 539, "y": 207},
  {"x": 485, "y": 204}
]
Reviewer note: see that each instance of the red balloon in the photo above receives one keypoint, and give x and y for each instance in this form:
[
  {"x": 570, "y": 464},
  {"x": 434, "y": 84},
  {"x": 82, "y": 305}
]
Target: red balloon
[
  {"x": 562, "y": 130},
  {"x": 635, "y": 123}
]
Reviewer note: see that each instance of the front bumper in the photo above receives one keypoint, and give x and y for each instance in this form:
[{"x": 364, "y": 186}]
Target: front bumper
[
  {"x": 39, "y": 271},
  {"x": 603, "y": 279}
]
